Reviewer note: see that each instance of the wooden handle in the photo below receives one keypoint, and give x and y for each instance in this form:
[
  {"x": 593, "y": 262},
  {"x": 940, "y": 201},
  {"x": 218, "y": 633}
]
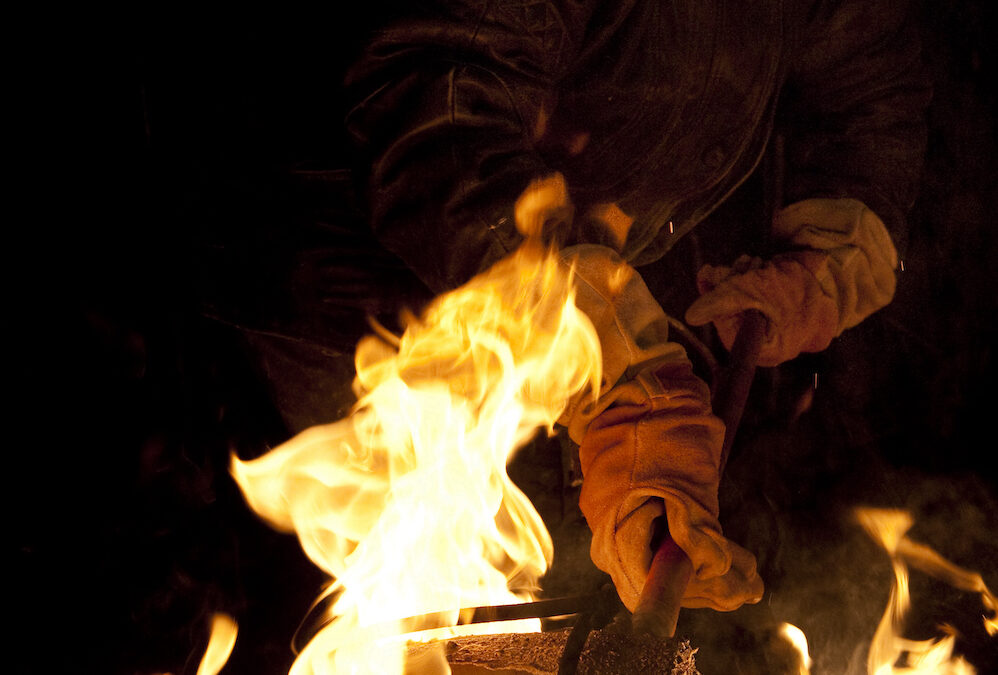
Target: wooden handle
[
  {"x": 657, "y": 611},
  {"x": 733, "y": 388}
]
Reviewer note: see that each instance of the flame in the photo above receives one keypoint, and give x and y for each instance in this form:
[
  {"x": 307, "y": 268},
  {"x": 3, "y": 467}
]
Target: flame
[
  {"x": 798, "y": 640},
  {"x": 406, "y": 503},
  {"x": 929, "y": 657},
  {"x": 220, "y": 644}
]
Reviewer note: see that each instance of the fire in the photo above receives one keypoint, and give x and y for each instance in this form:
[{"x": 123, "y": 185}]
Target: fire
[
  {"x": 406, "y": 503},
  {"x": 929, "y": 657},
  {"x": 220, "y": 644},
  {"x": 796, "y": 638}
]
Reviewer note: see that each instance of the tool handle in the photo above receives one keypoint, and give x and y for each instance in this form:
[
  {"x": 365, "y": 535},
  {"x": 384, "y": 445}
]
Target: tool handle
[
  {"x": 657, "y": 611},
  {"x": 733, "y": 388}
]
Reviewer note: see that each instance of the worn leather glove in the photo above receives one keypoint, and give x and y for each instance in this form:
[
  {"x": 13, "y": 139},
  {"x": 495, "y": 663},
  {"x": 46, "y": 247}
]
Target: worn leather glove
[
  {"x": 842, "y": 272},
  {"x": 659, "y": 448},
  {"x": 649, "y": 444}
]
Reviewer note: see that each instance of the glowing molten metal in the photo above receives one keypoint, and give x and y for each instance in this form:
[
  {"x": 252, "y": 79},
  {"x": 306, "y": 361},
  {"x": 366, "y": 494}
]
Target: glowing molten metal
[{"x": 406, "y": 503}]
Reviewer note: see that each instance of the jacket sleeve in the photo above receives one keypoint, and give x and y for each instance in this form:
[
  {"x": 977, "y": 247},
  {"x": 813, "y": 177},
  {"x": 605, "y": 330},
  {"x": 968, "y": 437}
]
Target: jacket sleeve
[
  {"x": 444, "y": 106},
  {"x": 855, "y": 100}
]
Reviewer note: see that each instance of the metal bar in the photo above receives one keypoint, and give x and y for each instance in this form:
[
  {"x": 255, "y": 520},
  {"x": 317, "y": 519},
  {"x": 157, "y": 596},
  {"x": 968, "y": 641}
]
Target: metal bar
[
  {"x": 533, "y": 610},
  {"x": 537, "y": 609}
]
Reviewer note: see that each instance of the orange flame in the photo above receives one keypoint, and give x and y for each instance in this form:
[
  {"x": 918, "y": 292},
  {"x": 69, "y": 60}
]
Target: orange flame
[
  {"x": 220, "y": 644},
  {"x": 928, "y": 657},
  {"x": 406, "y": 504},
  {"x": 795, "y": 637}
]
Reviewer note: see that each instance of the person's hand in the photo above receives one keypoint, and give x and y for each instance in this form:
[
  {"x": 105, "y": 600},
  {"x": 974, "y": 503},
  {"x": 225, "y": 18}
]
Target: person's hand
[
  {"x": 648, "y": 443},
  {"x": 801, "y": 315},
  {"x": 840, "y": 269},
  {"x": 655, "y": 451}
]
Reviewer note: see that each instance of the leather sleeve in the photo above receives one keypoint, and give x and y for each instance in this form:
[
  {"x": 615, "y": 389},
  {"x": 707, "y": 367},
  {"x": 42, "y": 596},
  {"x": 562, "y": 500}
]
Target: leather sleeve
[
  {"x": 854, "y": 107},
  {"x": 445, "y": 103}
]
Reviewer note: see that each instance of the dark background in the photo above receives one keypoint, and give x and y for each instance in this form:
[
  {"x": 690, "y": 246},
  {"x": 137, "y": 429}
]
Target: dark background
[{"x": 148, "y": 138}]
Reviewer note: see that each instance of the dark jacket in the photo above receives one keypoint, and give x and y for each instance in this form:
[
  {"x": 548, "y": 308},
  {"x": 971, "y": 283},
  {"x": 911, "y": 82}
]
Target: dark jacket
[
  {"x": 457, "y": 105},
  {"x": 453, "y": 106}
]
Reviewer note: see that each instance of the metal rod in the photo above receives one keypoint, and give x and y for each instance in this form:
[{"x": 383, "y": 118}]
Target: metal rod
[
  {"x": 537, "y": 609},
  {"x": 533, "y": 610}
]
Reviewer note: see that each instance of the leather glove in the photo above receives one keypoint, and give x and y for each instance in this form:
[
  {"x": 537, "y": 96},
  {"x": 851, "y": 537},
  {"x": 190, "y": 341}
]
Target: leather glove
[
  {"x": 649, "y": 444},
  {"x": 842, "y": 273},
  {"x": 659, "y": 449}
]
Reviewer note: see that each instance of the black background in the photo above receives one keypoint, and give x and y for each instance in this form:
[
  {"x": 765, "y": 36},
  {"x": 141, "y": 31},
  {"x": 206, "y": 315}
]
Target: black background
[{"x": 128, "y": 532}]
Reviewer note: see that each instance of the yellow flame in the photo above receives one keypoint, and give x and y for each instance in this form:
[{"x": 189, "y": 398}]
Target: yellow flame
[
  {"x": 928, "y": 657},
  {"x": 406, "y": 504},
  {"x": 220, "y": 644},
  {"x": 796, "y": 637}
]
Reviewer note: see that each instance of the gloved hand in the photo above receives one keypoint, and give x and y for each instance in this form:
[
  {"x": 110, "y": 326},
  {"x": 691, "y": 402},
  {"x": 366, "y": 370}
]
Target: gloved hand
[
  {"x": 654, "y": 453},
  {"x": 649, "y": 444},
  {"x": 800, "y": 316},
  {"x": 843, "y": 272}
]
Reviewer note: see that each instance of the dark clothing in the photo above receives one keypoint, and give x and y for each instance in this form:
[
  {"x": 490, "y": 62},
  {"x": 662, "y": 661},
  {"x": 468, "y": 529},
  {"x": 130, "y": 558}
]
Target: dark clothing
[
  {"x": 665, "y": 108},
  {"x": 459, "y": 104},
  {"x": 302, "y": 264}
]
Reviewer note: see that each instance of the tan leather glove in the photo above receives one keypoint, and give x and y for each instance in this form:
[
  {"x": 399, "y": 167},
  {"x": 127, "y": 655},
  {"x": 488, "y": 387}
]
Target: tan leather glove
[
  {"x": 649, "y": 444},
  {"x": 842, "y": 273}
]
